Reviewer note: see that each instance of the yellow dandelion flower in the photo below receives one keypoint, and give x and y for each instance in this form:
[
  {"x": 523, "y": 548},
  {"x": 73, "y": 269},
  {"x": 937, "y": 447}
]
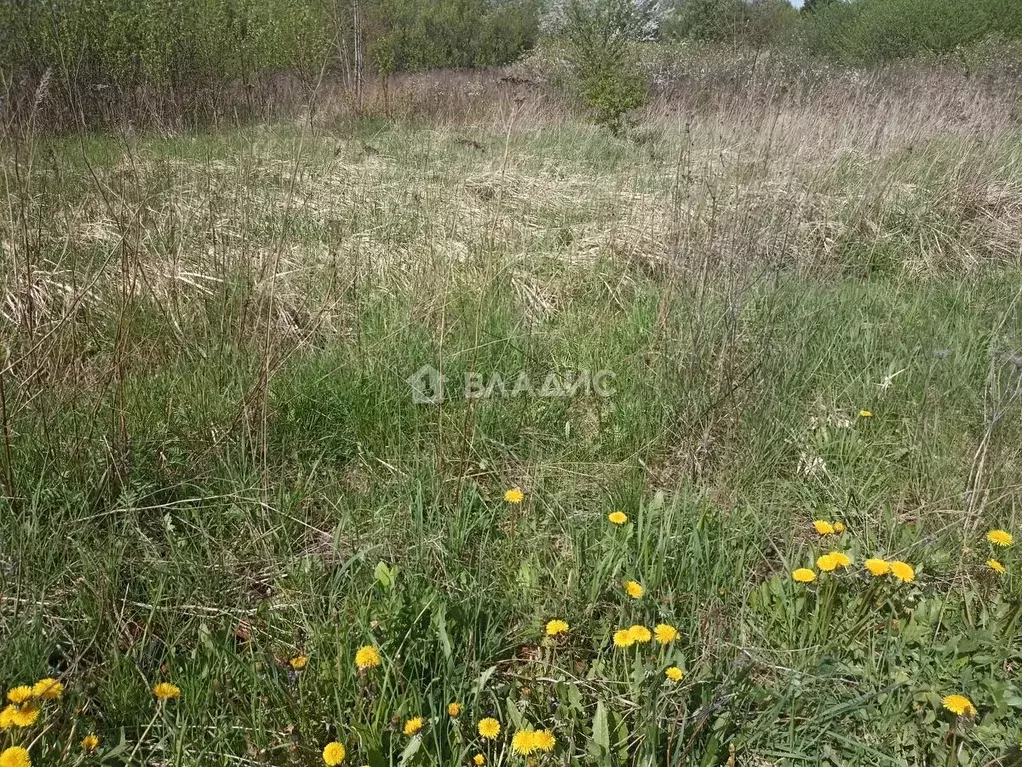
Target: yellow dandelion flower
[
  {"x": 865, "y": 414},
  {"x": 7, "y": 717},
  {"x": 413, "y": 725},
  {"x": 665, "y": 633},
  {"x": 544, "y": 740},
  {"x": 25, "y": 715},
  {"x": 640, "y": 634},
  {"x": 48, "y": 688},
  {"x": 166, "y": 691},
  {"x": 841, "y": 559},
  {"x": 634, "y": 589},
  {"x": 90, "y": 743},
  {"x": 903, "y": 571},
  {"x": 623, "y": 638},
  {"x": 823, "y": 527},
  {"x": 453, "y": 709},
  {"x": 827, "y": 563},
  {"x": 489, "y": 728},
  {"x": 1000, "y": 537},
  {"x": 299, "y": 663},
  {"x": 839, "y": 527},
  {"x": 996, "y": 566},
  {"x": 878, "y": 567},
  {"x": 959, "y": 705},
  {"x": 333, "y": 754},
  {"x": 514, "y": 495},
  {"x": 803, "y": 575},
  {"x": 20, "y": 694},
  {"x": 524, "y": 742},
  {"x": 617, "y": 517},
  {"x": 479, "y": 760},
  {"x": 367, "y": 657},
  {"x": 15, "y": 756},
  {"x": 555, "y": 627},
  {"x": 675, "y": 674}
]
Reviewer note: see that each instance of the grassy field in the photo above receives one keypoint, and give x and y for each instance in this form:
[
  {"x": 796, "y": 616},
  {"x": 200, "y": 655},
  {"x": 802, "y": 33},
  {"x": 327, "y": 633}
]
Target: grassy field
[{"x": 215, "y": 474}]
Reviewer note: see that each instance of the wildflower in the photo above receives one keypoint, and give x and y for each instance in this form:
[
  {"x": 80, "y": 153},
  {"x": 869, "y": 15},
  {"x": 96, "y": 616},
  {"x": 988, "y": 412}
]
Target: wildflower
[
  {"x": 996, "y": 566},
  {"x": 959, "y": 705},
  {"x": 1000, "y": 537},
  {"x": 299, "y": 663},
  {"x": 413, "y": 725},
  {"x": 640, "y": 634},
  {"x": 544, "y": 740},
  {"x": 555, "y": 627},
  {"x": 839, "y": 527},
  {"x": 865, "y": 414},
  {"x": 665, "y": 633},
  {"x": 90, "y": 743},
  {"x": 166, "y": 691},
  {"x": 903, "y": 571},
  {"x": 674, "y": 673},
  {"x": 524, "y": 742},
  {"x": 15, "y": 757},
  {"x": 489, "y": 728},
  {"x": 827, "y": 563},
  {"x": 841, "y": 559},
  {"x": 20, "y": 694},
  {"x": 823, "y": 527},
  {"x": 367, "y": 657},
  {"x": 878, "y": 567},
  {"x": 453, "y": 709},
  {"x": 514, "y": 495},
  {"x": 479, "y": 760},
  {"x": 333, "y": 754},
  {"x": 623, "y": 638},
  {"x": 634, "y": 589},
  {"x": 804, "y": 575},
  {"x": 24, "y": 715},
  {"x": 617, "y": 517},
  {"x": 47, "y": 688}
]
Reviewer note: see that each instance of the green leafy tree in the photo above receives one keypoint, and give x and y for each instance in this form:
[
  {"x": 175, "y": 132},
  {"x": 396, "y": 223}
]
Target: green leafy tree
[{"x": 600, "y": 35}]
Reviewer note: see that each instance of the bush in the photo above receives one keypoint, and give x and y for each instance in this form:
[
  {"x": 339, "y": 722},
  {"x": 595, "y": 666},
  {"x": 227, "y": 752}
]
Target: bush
[
  {"x": 755, "y": 22},
  {"x": 406, "y": 35},
  {"x": 600, "y": 35},
  {"x": 126, "y": 43},
  {"x": 873, "y": 31}
]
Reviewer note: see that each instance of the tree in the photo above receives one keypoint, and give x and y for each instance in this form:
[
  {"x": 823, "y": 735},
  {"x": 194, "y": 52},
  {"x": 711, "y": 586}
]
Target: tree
[{"x": 600, "y": 34}]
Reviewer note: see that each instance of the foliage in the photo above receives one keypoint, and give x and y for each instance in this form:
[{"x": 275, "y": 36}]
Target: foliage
[
  {"x": 406, "y": 35},
  {"x": 125, "y": 43},
  {"x": 600, "y": 35},
  {"x": 874, "y": 31},
  {"x": 756, "y": 23}
]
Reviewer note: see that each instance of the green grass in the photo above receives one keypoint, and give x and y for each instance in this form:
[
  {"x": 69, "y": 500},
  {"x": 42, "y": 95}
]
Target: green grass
[{"x": 204, "y": 482}]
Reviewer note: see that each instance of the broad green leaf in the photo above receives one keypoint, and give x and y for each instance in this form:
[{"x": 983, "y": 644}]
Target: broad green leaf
[
  {"x": 410, "y": 750},
  {"x": 601, "y": 730},
  {"x": 514, "y": 714},
  {"x": 384, "y": 575}
]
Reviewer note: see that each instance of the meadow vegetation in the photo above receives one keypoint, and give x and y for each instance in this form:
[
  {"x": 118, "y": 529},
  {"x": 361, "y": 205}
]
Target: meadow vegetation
[{"x": 785, "y": 536}]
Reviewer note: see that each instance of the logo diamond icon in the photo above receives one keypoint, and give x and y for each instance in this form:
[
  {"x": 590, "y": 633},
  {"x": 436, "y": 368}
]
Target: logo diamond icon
[{"x": 427, "y": 386}]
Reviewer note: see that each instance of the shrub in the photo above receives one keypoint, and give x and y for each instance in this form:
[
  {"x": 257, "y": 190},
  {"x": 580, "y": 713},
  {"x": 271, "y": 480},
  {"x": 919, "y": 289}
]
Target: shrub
[
  {"x": 600, "y": 35},
  {"x": 873, "y": 31}
]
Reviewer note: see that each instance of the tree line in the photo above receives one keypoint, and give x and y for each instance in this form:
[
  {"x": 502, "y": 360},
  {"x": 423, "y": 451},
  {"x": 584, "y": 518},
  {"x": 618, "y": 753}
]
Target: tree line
[{"x": 92, "y": 46}]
